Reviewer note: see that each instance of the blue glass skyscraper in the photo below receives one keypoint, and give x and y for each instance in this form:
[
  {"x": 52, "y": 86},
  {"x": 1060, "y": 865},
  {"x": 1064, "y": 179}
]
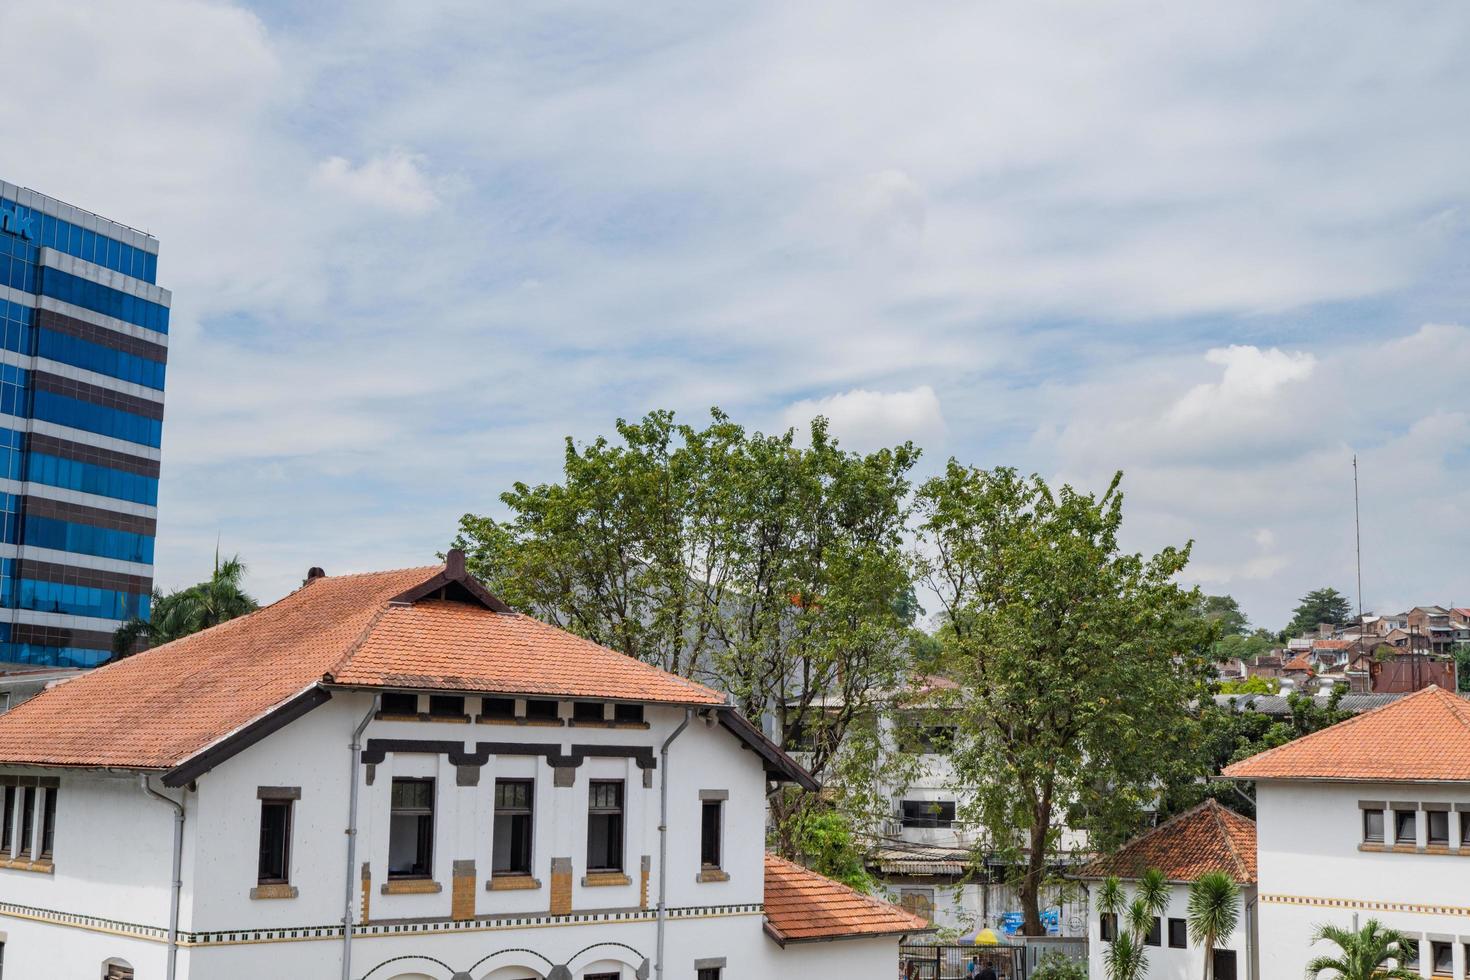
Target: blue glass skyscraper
[{"x": 83, "y": 345}]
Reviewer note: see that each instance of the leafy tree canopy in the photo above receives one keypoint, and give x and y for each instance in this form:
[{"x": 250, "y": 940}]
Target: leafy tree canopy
[
  {"x": 1325, "y": 605},
  {"x": 1223, "y": 611},
  {"x": 1078, "y": 663}
]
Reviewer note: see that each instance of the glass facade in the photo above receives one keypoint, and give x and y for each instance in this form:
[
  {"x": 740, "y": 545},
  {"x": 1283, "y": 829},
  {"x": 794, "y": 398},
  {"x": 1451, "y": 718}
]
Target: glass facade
[{"x": 78, "y": 485}]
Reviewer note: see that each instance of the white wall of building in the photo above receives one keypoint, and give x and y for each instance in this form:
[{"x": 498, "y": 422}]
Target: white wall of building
[
  {"x": 1166, "y": 962},
  {"x": 1313, "y": 871}
]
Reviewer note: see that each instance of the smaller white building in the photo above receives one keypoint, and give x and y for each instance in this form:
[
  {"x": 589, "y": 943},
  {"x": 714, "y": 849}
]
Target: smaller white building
[{"x": 1205, "y": 839}]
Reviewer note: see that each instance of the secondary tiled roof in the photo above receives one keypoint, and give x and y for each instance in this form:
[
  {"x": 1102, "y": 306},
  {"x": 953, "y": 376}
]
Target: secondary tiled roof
[
  {"x": 803, "y": 906},
  {"x": 1299, "y": 663},
  {"x": 1206, "y": 838},
  {"x": 1424, "y": 737},
  {"x": 159, "y": 708},
  {"x": 1331, "y": 644}
]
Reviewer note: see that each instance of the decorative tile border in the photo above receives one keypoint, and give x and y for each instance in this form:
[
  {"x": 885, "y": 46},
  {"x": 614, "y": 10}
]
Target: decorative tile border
[
  {"x": 240, "y": 937},
  {"x": 1365, "y": 905}
]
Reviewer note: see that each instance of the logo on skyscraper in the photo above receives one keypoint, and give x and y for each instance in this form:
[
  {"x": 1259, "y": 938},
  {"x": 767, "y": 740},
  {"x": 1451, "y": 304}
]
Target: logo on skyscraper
[{"x": 13, "y": 221}]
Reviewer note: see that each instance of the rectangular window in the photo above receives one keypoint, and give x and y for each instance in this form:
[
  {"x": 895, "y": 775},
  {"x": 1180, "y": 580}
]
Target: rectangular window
[
  {"x": 397, "y": 703},
  {"x": 27, "y": 819},
  {"x": 1155, "y": 933},
  {"x": 1107, "y": 926},
  {"x": 628, "y": 714},
  {"x": 605, "y": 826},
  {"x": 514, "y": 812},
  {"x": 928, "y": 813},
  {"x": 1442, "y": 955},
  {"x": 1406, "y": 826},
  {"x": 710, "y": 833},
  {"x": 446, "y": 706},
  {"x": 1178, "y": 934},
  {"x": 1465, "y": 842},
  {"x": 542, "y": 710},
  {"x": 1439, "y": 827},
  {"x": 48, "y": 822},
  {"x": 586, "y": 711},
  {"x": 275, "y": 842},
  {"x": 1410, "y": 959},
  {"x": 710, "y": 973},
  {"x": 1373, "y": 826},
  {"x": 411, "y": 829},
  {"x": 7, "y": 820},
  {"x": 501, "y": 709}
]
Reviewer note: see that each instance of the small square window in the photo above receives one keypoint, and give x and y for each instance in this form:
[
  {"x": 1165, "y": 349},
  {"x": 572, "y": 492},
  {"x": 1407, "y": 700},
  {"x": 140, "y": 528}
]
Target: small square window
[
  {"x": 498, "y": 708},
  {"x": 1439, "y": 827},
  {"x": 1373, "y": 826},
  {"x": 396, "y": 703},
  {"x": 1442, "y": 958},
  {"x": 1178, "y": 934},
  {"x": 1406, "y": 826},
  {"x": 446, "y": 706},
  {"x": 587, "y": 711},
  {"x": 542, "y": 710},
  {"x": 628, "y": 714}
]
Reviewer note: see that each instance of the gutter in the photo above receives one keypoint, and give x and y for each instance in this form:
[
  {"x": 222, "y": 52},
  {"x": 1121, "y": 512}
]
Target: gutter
[
  {"x": 347, "y": 915},
  {"x": 178, "y": 874},
  {"x": 663, "y": 840}
]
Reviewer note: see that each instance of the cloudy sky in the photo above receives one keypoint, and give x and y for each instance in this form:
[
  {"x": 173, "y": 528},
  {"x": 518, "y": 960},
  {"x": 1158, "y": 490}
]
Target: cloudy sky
[{"x": 414, "y": 244}]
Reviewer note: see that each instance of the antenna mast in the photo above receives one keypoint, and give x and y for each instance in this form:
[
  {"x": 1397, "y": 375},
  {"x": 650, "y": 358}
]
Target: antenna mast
[{"x": 1358, "y": 538}]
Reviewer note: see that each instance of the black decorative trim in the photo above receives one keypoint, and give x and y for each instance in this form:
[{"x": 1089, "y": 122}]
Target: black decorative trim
[
  {"x": 232, "y": 745},
  {"x": 378, "y": 748},
  {"x": 779, "y": 766}
]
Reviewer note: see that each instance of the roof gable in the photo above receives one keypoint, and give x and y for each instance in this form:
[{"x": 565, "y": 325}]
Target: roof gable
[
  {"x": 803, "y": 906},
  {"x": 1207, "y": 838},
  {"x": 1424, "y": 737}
]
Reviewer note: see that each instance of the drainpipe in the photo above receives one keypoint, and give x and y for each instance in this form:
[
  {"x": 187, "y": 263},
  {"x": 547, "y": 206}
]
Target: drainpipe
[
  {"x": 178, "y": 875},
  {"x": 663, "y": 838},
  {"x": 356, "y": 749}
]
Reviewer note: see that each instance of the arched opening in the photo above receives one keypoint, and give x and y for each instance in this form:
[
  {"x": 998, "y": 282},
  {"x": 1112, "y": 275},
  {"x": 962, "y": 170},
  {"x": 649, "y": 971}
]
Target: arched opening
[{"x": 116, "y": 969}]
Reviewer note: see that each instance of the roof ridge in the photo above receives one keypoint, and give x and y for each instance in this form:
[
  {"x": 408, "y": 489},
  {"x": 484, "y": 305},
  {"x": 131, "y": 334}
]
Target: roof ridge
[
  {"x": 1219, "y": 812},
  {"x": 1355, "y": 719},
  {"x": 356, "y": 645}
]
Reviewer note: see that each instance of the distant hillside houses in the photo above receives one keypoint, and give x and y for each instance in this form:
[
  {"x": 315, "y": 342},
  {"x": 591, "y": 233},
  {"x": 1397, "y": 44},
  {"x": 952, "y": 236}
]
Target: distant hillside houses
[{"x": 1394, "y": 654}]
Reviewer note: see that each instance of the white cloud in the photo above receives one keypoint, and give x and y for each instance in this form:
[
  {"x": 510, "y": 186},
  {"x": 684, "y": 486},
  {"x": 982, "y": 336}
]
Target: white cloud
[
  {"x": 394, "y": 181},
  {"x": 867, "y": 420},
  {"x": 1252, "y": 378}
]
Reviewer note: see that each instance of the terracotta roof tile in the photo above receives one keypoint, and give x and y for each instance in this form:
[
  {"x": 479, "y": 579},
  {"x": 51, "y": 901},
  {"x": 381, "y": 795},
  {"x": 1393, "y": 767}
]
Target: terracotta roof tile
[
  {"x": 802, "y": 905},
  {"x": 159, "y": 708},
  {"x": 1206, "y": 838},
  {"x": 1424, "y": 737}
]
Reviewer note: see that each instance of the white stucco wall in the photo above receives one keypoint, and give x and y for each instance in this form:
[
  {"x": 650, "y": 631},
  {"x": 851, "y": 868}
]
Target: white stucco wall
[
  {"x": 112, "y": 857},
  {"x": 1312, "y": 871},
  {"x": 1166, "y": 962}
]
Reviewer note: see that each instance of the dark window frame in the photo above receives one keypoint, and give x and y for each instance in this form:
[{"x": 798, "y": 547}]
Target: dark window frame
[
  {"x": 1401, "y": 815},
  {"x": 711, "y": 973},
  {"x": 711, "y": 834},
  {"x": 7, "y": 832},
  {"x": 1107, "y": 926},
  {"x": 423, "y": 868},
  {"x": 541, "y": 709},
  {"x": 27, "y": 820},
  {"x": 1369, "y": 836},
  {"x": 1155, "y": 934},
  {"x": 398, "y": 703},
  {"x": 446, "y": 706},
  {"x": 588, "y": 712},
  {"x": 287, "y": 811},
  {"x": 1436, "y": 949},
  {"x": 517, "y": 814},
  {"x": 629, "y": 714},
  {"x": 942, "y": 815},
  {"x": 613, "y": 817},
  {"x": 1178, "y": 933},
  {"x": 499, "y": 709},
  {"x": 48, "y": 822}
]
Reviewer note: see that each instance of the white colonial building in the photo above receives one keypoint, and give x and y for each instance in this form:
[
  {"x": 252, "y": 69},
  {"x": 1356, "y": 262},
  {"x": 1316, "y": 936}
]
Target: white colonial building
[
  {"x": 1205, "y": 839},
  {"x": 1369, "y": 819},
  {"x": 393, "y": 776}
]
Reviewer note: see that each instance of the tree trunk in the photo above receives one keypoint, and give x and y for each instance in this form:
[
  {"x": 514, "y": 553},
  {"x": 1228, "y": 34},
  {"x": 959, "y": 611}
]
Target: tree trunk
[
  {"x": 1209, "y": 958},
  {"x": 1029, "y": 891}
]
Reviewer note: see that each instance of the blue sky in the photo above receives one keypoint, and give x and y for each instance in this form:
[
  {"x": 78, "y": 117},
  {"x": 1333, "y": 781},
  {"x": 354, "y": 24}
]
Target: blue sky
[{"x": 413, "y": 245}]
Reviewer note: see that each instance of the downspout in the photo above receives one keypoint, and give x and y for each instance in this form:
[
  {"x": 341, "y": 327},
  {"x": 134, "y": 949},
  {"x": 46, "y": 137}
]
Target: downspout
[
  {"x": 356, "y": 749},
  {"x": 178, "y": 874},
  {"x": 663, "y": 838}
]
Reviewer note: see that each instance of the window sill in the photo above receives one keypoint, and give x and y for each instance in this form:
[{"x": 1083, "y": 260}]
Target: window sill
[
  {"x": 523, "y": 722},
  {"x": 1405, "y": 849},
  {"x": 42, "y": 867},
  {"x": 630, "y": 725},
  {"x": 273, "y": 891},
  {"x": 711, "y": 874},
  {"x": 1373, "y": 847},
  {"x": 424, "y": 716},
  {"x": 605, "y": 879},
  {"x": 512, "y": 883},
  {"x": 412, "y": 886}
]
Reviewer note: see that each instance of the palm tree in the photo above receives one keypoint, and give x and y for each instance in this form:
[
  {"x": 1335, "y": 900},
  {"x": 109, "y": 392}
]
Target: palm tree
[
  {"x": 1140, "y": 918},
  {"x": 1126, "y": 959},
  {"x": 218, "y": 599},
  {"x": 1110, "y": 897},
  {"x": 1214, "y": 908},
  {"x": 1365, "y": 953},
  {"x": 1153, "y": 891}
]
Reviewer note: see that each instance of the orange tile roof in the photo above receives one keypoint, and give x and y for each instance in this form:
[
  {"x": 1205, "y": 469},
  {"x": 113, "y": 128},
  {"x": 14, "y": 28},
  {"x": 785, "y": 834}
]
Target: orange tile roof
[
  {"x": 159, "y": 708},
  {"x": 1206, "y": 838},
  {"x": 1424, "y": 737},
  {"x": 803, "y": 906},
  {"x": 1331, "y": 644},
  {"x": 1298, "y": 663}
]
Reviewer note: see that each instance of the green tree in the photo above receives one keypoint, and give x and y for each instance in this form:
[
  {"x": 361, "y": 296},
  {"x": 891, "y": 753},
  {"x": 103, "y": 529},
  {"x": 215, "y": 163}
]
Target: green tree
[
  {"x": 1077, "y": 663},
  {"x": 1223, "y": 611},
  {"x": 1324, "y": 605},
  {"x": 769, "y": 566},
  {"x": 1055, "y": 965},
  {"x": 1126, "y": 958},
  {"x": 1462, "y": 666},
  {"x": 826, "y": 844},
  {"x": 219, "y": 598},
  {"x": 1363, "y": 954},
  {"x": 1214, "y": 909},
  {"x": 1243, "y": 647},
  {"x": 1251, "y": 685}
]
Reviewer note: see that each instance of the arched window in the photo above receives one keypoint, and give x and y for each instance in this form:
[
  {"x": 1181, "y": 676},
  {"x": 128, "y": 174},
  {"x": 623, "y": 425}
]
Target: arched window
[{"x": 116, "y": 969}]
